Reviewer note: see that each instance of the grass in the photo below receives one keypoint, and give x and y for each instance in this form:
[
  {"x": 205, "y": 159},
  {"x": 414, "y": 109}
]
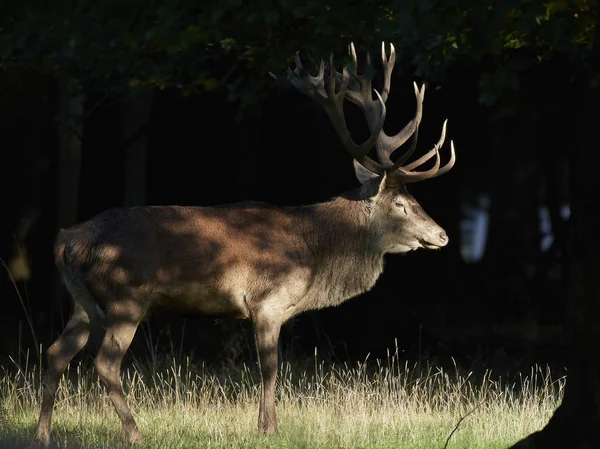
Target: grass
[{"x": 382, "y": 404}]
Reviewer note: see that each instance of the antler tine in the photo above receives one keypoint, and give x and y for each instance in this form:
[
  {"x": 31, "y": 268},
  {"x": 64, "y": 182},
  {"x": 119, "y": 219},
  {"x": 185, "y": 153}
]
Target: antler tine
[
  {"x": 354, "y": 81},
  {"x": 430, "y": 153},
  {"x": 352, "y": 51},
  {"x": 411, "y": 150},
  {"x": 333, "y": 104},
  {"x": 446, "y": 168},
  {"x": 388, "y": 144},
  {"x": 330, "y": 88},
  {"x": 364, "y": 83},
  {"x": 388, "y": 67},
  {"x": 406, "y": 175},
  {"x": 312, "y": 86},
  {"x": 360, "y": 89}
]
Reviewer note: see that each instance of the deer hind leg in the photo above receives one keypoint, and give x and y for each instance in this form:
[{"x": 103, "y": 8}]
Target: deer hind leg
[
  {"x": 266, "y": 334},
  {"x": 71, "y": 341},
  {"x": 122, "y": 321}
]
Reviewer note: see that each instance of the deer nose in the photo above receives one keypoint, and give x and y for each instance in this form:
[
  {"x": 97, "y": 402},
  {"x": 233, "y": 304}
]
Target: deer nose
[{"x": 443, "y": 237}]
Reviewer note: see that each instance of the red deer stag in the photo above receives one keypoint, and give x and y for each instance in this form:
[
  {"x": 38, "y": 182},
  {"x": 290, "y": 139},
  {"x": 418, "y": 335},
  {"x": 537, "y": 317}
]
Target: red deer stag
[{"x": 249, "y": 260}]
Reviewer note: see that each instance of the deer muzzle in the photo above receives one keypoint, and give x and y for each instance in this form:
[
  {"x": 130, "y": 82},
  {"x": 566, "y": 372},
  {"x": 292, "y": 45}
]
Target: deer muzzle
[{"x": 436, "y": 240}]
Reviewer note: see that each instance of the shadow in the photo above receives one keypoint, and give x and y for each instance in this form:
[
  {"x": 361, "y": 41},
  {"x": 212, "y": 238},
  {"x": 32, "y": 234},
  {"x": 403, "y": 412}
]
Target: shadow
[{"x": 224, "y": 260}]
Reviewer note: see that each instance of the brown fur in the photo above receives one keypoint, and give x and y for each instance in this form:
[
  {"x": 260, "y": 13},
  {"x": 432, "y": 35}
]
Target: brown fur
[{"x": 249, "y": 260}]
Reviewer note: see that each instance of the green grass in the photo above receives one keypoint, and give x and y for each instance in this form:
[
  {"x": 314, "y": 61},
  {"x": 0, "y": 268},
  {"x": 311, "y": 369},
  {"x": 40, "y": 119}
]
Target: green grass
[{"x": 378, "y": 405}]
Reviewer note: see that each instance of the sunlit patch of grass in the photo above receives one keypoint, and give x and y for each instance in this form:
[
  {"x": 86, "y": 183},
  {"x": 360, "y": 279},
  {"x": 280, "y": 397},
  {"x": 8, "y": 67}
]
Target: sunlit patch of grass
[{"x": 379, "y": 405}]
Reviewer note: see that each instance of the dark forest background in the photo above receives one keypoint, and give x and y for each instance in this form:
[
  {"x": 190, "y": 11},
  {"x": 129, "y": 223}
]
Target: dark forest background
[{"x": 117, "y": 103}]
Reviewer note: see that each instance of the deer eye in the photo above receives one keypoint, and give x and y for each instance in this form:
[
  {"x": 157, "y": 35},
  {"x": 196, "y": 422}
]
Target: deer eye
[{"x": 400, "y": 206}]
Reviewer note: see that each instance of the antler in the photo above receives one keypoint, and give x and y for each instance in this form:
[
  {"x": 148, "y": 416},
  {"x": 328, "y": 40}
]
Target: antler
[
  {"x": 358, "y": 90},
  {"x": 360, "y": 94},
  {"x": 333, "y": 104}
]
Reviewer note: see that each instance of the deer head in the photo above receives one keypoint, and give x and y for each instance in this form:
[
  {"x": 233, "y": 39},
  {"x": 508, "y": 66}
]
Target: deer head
[{"x": 402, "y": 223}]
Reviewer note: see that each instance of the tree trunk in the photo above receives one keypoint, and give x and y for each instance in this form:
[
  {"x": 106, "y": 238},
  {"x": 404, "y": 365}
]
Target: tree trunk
[
  {"x": 575, "y": 422},
  {"x": 135, "y": 114},
  {"x": 514, "y": 198},
  {"x": 70, "y": 132}
]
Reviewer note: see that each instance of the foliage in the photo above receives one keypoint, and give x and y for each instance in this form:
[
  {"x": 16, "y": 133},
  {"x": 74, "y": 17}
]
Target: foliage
[{"x": 120, "y": 46}]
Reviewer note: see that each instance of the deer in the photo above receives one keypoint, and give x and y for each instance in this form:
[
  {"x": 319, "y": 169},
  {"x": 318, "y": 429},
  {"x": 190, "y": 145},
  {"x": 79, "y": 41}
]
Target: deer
[{"x": 249, "y": 260}]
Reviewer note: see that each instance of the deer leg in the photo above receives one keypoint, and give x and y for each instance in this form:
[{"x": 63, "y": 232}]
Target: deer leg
[
  {"x": 119, "y": 334},
  {"x": 70, "y": 342},
  {"x": 266, "y": 334}
]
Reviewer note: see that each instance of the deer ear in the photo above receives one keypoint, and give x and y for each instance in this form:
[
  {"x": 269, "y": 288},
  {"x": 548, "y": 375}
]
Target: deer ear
[
  {"x": 362, "y": 174},
  {"x": 383, "y": 184},
  {"x": 387, "y": 184}
]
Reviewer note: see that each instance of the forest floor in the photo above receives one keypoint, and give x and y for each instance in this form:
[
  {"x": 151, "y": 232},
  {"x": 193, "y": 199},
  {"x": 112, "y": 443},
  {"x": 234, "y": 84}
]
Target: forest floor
[{"x": 379, "y": 404}]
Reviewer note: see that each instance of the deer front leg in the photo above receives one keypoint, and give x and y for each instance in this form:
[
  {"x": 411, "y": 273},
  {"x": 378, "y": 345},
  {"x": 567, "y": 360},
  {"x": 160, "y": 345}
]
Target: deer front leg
[{"x": 266, "y": 334}]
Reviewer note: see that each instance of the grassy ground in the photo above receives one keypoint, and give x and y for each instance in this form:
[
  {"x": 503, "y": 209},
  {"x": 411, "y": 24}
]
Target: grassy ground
[{"x": 378, "y": 405}]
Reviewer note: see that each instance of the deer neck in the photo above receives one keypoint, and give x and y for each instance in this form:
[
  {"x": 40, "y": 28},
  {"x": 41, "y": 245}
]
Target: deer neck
[{"x": 348, "y": 258}]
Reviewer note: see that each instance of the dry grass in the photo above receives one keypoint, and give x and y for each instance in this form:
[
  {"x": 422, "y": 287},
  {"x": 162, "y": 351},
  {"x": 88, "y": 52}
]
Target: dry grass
[{"x": 371, "y": 405}]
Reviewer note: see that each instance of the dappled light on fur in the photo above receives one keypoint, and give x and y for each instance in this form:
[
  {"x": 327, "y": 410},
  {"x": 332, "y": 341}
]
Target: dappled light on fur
[{"x": 248, "y": 260}]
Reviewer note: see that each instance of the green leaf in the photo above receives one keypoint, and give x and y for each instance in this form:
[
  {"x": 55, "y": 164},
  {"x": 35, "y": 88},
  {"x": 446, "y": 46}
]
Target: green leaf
[
  {"x": 210, "y": 84},
  {"x": 271, "y": 17}
]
